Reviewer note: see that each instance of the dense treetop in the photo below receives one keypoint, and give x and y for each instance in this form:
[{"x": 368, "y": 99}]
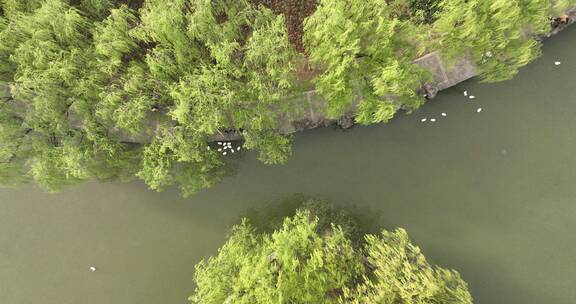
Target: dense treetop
[
  {"x": 304, "y": 262},
  {"x": 500, "y": 35},
  {"x": 77, "y": 76},
  {"x": 365, "y": 49}
]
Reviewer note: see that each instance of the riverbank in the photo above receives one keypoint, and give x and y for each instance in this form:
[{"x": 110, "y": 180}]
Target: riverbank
[
  {"x": 470, "y": 205},
  {"x": 307, "y": 109},
  {"x": 73, "y": 112}
]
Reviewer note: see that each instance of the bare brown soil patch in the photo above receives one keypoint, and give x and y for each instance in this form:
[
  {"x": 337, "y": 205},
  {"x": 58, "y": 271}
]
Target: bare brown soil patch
[{"x": 294, "y": 11}]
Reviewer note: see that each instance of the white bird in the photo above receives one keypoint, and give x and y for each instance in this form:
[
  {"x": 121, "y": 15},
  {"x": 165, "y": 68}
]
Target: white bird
[
  {"x": 433, "y": 120},
  {"x": 423, "y": 119},
  {"x": 557, "y": 63},
  {"x": 219, "y": 149},
  {"x": 220, "y": 143},
  {"x": 232, "y": 150},
  {"x": 479, "y": 110},
  {"x": 443, "y": 114},
  {"x": 238, "y": 149},
  {"x": 224, "y": 153},
  {"x": 465, "y": 93},
  {"x": 92, "y": 268},
  {"x": 472, "y": 97},
  {"x": 208, "y": 148}
]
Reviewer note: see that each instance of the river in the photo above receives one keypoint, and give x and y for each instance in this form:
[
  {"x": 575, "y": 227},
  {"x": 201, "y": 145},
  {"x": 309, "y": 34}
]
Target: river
[{"x": 490, "y": 194}]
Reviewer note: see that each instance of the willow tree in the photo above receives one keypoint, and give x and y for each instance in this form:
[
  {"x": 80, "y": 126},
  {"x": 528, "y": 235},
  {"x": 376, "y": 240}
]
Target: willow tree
[
  {"x": 559, "y": 7},
  {"x": 241, "y": 82},
  {"x": 129, "y": 90},
  {"x": 366, "y": 48},
  {"x": 425, "y": 9},
  {"x": 215, "y": 65},
  {"x": 48, "y": 129},
  {"x": 500, "y": 35},
  {"x": 81, "y": 73},
  {"x": 44, "y": 61},
  {"x": 300, "y": 263},
  {"x": 10, "y": 7}
]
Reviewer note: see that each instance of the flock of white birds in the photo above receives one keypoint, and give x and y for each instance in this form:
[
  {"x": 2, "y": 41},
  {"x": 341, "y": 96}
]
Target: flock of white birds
[
  {"x": 443, "y": 114},
  {"x": 225, "y": 147},
  {"x": 478, "y": 110}
]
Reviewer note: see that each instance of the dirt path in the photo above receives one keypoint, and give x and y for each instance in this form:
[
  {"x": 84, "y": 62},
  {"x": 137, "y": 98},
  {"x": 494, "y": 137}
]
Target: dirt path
[{"x": 295, "y": 11}]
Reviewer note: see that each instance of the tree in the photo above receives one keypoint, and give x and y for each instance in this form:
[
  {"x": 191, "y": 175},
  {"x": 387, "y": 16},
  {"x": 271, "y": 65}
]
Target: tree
[
  {"x": 248, "y": 73},
  {"x": 82, "y": 72},
  {"x": 96, "y": 8},
  {"x": 426, "y": 9},
  {"x": 299, "y": 263},
  {"x": 79, "y": 76},
  {"x": 12, "y": 148},
  {"x": 112, "y": 40},
  {"x": 365, "y": 49},
  {"x": 500, "y": 35},
  {"x": 226, "y": 65},
  {"x": 10, "y": 7},
  {"x": 43, "y": 61},
  {"x": 47, "y": 60},
  {"x": 559, "y": 7},
  {"x": 401, "y": 274}
]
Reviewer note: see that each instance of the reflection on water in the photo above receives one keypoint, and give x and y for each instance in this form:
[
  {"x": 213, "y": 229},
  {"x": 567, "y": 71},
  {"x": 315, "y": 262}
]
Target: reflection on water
[{"x": 490, "y": 194}]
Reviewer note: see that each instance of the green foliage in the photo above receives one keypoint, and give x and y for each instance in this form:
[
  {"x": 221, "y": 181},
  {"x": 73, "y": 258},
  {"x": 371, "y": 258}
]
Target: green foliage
[
  {"x": 80, "y": 76},
  {"x": 295, "y": 264},
  {"x": 270, "y": 217},
  {"x": 425, "y": 9},
  {"x": 11, "y": 7},
  {"x": 240, "y": 68},
  {"x": 55, "y": 167},
  {"x": 364, "y": 48},
  {"x": 559, "y": 7},
  {"x": 501, "y": 35},
  {"x": 44, "y": 61},
  {"x": 96, "y": 8},
  {"x": 13, "y": 145},
  {"x": 401, "y": 274},
  {"x": 273, "y": 148},
  {"x": 300, "y": 263},
  {"x": 85, "y": 72},
  {"x": 112, "y": 40},
  {"x": 177, "y": 156}
]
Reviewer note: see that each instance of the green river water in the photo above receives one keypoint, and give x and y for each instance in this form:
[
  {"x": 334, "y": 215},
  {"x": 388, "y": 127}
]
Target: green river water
[{"x": 490, "y": 194}]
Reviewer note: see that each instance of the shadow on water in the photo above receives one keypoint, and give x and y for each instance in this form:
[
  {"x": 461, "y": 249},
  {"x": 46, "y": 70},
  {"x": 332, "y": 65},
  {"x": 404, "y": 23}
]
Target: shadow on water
[
  {"x": 356, "y": 221},
  {"x": 359, "y": 220}
]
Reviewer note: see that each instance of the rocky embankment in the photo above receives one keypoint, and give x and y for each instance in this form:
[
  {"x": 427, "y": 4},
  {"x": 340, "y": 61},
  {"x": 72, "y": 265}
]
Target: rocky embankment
[
  {"x": 445, "y": 75},
  {"x": 310, "y": 105},
  {"x": 307, "y": 108}
]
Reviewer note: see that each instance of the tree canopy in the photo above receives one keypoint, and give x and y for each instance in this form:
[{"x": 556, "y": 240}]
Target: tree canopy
[
  {"x": 500, "y": 35},
  {"x": 77, "y": 77},
  {"x": 302, "y": 263},
  {"x": 366, "y": 48},
  {"x": 78, "y": 74}
]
